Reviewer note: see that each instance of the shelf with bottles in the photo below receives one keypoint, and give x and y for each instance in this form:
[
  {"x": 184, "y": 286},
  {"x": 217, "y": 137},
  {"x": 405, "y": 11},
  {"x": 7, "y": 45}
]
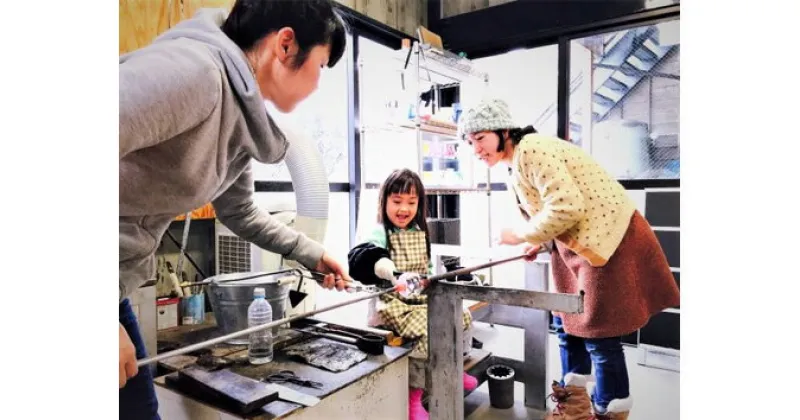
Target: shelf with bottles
[
  {"x": 435, "y": 65},
  {"x": 445, "y": 189},
  {"x": 447, "y": 165},
  {"x": 449, "y": 133},
  {"x": 400, "y": 115},
  {"x": 446, "y": 64}
]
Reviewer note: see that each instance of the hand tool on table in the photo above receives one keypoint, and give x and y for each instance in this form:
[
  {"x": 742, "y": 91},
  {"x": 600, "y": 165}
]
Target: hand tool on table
[
  {"x": 368, "y": 343},
  {"x": 391, "y": 339},
  {"x": 345, "y": 333},
  {"x": 425, "y": 281},
  {"x": 289, "y": 376},
  {"x": 248, "y": 331}
]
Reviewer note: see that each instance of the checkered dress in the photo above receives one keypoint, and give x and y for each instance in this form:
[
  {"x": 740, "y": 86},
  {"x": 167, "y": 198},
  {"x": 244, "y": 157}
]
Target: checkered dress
[{"x": 408, "y": 317}]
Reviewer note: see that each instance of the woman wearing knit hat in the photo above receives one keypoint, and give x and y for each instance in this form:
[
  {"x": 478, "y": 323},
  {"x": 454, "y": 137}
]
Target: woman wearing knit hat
[{"x": 602, "y": 245}]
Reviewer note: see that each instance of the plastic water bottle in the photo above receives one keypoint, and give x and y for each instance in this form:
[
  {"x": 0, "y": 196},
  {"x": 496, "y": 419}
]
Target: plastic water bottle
[{"x": 259, "y": 350}]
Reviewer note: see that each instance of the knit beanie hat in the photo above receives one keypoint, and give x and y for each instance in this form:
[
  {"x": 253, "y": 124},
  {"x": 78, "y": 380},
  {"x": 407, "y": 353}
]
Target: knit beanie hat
[{"x": 489, "y": 115}]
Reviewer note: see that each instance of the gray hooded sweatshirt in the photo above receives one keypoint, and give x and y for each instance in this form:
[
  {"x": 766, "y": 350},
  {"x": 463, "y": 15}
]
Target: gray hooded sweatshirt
[{"x": 191, "y": 119}]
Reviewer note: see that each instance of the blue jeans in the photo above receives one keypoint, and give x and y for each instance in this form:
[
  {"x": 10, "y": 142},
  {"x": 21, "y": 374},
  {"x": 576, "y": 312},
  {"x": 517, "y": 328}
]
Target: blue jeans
[
  {"x": 579, "y": 354},
  {"x": 137, "y": 399}
]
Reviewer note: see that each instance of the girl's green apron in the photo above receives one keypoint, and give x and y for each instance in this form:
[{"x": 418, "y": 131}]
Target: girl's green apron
[{"x": 408, "y": 317}]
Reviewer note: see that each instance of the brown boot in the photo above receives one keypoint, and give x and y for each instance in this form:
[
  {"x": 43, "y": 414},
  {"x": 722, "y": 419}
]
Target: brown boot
[
  {"x": 572, "y": 400},
  {"x": 616, "y": 410}
]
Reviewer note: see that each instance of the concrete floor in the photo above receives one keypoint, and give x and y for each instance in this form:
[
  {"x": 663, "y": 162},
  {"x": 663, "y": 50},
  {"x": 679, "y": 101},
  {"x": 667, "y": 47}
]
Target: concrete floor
[{"x": 656, "y": 392}]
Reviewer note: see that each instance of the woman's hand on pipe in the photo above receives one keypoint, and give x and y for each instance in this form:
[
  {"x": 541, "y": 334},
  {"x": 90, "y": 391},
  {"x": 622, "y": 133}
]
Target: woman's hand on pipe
[{"x": 531, "y": 252}]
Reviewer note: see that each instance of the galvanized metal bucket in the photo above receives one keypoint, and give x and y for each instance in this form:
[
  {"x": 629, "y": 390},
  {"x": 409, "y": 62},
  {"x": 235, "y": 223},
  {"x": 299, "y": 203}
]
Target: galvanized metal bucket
[{"x": 231, "y": 294}]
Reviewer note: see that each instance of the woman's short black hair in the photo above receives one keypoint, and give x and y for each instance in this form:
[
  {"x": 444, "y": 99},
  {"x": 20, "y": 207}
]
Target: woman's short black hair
[
  {"x": 315, "y": 23},
  {"x": 515, "y": 134}
]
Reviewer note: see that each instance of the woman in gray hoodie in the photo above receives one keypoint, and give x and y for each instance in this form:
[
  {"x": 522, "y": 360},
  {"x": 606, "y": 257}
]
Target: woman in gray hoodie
[{"x": 191, "y": 120}]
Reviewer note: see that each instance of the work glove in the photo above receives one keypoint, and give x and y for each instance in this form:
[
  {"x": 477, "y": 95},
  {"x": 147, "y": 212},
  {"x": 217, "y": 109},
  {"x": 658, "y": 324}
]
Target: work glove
[{"x": 385, "y": 269}]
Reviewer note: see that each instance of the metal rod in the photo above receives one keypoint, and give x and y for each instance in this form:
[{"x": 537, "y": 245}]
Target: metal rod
[
  {"x": 254, "y": 276},
  {"x": 184, "y": 241},
  {"x": 248, "y": 331},
  {"x": 188, "y": 257},
  {"x": 469, "y": 270}
]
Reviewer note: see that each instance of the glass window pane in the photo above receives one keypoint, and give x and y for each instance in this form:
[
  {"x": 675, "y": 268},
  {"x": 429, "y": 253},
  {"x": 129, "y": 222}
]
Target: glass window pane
[
  {"x": 385, "y": 100},
  {"x": 625, "y": 100},
  {"x": 337, "y": 237},
  {"x": 527, "y": 79},
  {"x": 337, "y": 234},
  {"x": 323, "y": 117}
]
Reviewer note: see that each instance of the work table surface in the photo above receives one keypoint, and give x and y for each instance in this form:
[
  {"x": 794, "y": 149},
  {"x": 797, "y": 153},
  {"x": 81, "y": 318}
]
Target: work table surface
[{"x": 331, "y": 381}]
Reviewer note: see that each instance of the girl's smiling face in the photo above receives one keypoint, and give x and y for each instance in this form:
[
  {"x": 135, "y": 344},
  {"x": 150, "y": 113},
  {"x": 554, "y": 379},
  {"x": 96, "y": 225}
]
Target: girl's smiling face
[{"x": 402, "y": 208}]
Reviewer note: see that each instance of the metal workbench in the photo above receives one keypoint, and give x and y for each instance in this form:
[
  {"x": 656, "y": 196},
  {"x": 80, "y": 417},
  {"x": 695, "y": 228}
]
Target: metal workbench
[
  {"x": 377, "y": 386},
  {"x": 526, "y": 309}
]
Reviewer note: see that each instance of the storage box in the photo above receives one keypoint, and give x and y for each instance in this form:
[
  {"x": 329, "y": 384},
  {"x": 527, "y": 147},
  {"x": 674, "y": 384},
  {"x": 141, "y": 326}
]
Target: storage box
[{"x": 167, "y": 313}]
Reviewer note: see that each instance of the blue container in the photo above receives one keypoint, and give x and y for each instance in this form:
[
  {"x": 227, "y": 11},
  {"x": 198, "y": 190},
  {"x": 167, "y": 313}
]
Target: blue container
[{"x": 194, "y": 309}]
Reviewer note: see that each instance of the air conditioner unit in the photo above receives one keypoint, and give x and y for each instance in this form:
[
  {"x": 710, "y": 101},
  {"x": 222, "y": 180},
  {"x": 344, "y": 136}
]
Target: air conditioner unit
[{"x": 235, "y": 255}]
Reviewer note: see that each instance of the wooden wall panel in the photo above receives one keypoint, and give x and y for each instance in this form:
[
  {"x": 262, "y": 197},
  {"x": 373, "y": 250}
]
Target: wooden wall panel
[
  {"x": 190, "y": 7},
  {"x": 403, "y": 15},
  {"x": 140, "y": 21},
  {"x": 407, "y": 16},
  {"x": 349, "y": 3},
  {"x": 375, "y": 9},
  {"x": 457, "y": 7}
]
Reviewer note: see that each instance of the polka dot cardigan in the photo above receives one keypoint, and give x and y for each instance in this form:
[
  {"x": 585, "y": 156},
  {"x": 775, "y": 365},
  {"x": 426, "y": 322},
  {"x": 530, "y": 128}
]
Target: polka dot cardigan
[{"x": 565, "y": 194}]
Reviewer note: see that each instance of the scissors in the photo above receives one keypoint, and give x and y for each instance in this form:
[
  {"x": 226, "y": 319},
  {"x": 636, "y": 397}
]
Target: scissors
[{"x": 289, "y": 376}]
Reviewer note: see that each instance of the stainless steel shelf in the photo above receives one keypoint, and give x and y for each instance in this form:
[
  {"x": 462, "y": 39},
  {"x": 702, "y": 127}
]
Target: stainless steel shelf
[
  {"x": 409, "y": 127},
  {"x": 442, "y": 189}
]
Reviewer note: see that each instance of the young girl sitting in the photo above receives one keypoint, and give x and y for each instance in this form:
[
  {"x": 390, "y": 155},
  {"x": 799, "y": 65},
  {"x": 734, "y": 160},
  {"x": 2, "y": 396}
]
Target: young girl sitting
[{"x": 400, "y": 244}]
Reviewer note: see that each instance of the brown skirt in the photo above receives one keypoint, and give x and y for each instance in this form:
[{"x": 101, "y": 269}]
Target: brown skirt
[{"x": 622, "y": 295}]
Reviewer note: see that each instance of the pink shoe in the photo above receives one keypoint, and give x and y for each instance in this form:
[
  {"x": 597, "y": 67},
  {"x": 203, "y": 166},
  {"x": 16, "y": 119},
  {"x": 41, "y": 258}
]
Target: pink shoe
[
  {"x": 470, "y": 383},
  {"x": 415, "y": 409}
]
